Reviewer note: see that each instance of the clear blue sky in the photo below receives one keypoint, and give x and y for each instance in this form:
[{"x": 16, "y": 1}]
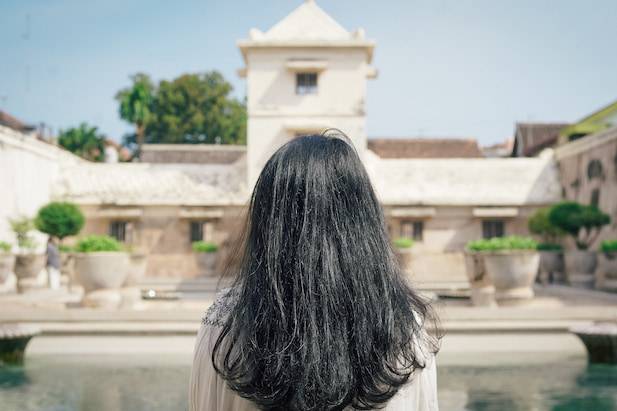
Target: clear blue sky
[{"x": 446, "y": 67}]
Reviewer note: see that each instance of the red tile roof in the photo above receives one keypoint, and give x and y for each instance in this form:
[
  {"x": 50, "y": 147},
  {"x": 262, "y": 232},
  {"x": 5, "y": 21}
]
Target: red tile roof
[
  {"x": 531, "y": 138},
  {"x": 9, "y": 121},
  {"x": 425, "y": 147}
]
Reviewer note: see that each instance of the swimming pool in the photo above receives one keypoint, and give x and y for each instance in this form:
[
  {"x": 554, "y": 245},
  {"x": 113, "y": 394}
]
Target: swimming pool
[{"x": 159, "y": 382}]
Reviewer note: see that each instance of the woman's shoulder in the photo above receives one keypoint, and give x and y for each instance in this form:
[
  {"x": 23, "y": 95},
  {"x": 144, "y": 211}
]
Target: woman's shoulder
[{"x": 219, "y": 311}]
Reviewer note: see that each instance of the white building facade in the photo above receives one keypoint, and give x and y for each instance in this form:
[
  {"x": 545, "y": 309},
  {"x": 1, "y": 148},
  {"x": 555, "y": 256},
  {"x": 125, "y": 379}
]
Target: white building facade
[{"x": 304, "y": 75}]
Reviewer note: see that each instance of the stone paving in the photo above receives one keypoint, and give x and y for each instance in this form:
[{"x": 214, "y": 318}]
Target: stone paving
[{"x": 169, "y": 326}]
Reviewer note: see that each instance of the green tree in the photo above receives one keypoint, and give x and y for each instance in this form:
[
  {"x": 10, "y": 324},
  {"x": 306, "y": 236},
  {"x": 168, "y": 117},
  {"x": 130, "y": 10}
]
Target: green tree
[
  {"x": 191, "y": 109},
  {"x": 22, "y": 227},
  {"x": 540, "y": 224},
  {"x": 84, "y": 140},
  {"x": 582, "y": 222},
  {"x": 136, "y": 105},
  {"x": 59, "y": 219}
]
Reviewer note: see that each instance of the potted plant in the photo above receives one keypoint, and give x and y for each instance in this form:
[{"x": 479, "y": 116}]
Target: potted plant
[
  {"x": 550, "y": 249},
  {"x": 403, "y": 247},
  {"x": 28, "y": 264},
  {"x": 583, "y": 223},
  {"x": 61, "y": 219},
  {"x": 206, "y": 255},
  {"x": 100, "y": 263},
  {"x": 606, "y": 275},
  {"x": 481, "y": 285},
  {"x": 7, "y": 261},
  {"x": 511, "y": 264}
]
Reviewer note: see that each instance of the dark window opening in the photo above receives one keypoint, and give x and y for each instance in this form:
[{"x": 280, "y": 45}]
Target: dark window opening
[
  {"x": 493, "y": 228},
  {"x": 119, "y": 230},
  {"x": 594, "y": 169},
  {"x": 413, "y": 230},
  {"x": 201, "y": 231},
  {"x": 197, "y": 231},
  {"x": 306, "y": 83}
]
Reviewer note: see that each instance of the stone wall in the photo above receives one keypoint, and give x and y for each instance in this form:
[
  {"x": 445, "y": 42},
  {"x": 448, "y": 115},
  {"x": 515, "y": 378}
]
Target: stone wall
[
  {"x": 163, "y": 232},
  {"x": 191, "y": 153},
  {"x": 438, "y": 257},
  {"x": 27, "y": 169},
  {"x": 588, "y": 172}
]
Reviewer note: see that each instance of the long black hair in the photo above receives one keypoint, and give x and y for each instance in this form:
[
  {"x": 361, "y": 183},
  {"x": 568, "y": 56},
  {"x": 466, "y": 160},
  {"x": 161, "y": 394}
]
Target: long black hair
[{"x": 324, "y": 317}]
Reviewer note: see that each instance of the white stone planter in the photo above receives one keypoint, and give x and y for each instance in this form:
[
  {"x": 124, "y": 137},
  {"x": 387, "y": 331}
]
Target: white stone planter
[
  {"x": 481, "y": 285},
  {"x": 7, "y": 263},
  {"x": 206, "y": 262},
  {"x": 67, "y": 264},
  {"x": 404, "y": 257},
  {"x": 606, "y": 274},
  {"x": 513, "y": 273},
  {"x": 138, "y": 263},
  {"x": 552, "y": 268},
  {"x": 580, "y": 267},
  {"x": 101, "y": 270},
  {"x": 28, "y": 265}
]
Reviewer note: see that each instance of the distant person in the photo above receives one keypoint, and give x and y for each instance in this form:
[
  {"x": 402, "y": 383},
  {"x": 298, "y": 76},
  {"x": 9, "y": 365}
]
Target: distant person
[
  {"x": 53, "y": 264},
  {"x": 320, "y": 316}
]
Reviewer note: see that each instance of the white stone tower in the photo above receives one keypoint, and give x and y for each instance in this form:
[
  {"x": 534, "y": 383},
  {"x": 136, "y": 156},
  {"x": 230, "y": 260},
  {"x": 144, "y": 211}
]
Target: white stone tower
[{"x": 305, "y": 74}]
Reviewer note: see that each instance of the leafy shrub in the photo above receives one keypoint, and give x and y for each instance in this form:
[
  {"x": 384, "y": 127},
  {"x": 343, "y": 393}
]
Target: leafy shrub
[
  {"x": 582, "y": 222},
  {"x": 94, "y": 243},
  {"x": 403, "y": 242},
  {"x": 550, "y": 247},
  {"x": 609, "y": 246},
  {"x": 540, "y": 224},
  {"x": 204, "y": 247},
  {"x": 503, "y": 243},
  {"x": 65, "y": 248},
  {"x": 59, "y": 219},
  {"x": 22, "y": 227},
  {"x": 5, "y": 247}
]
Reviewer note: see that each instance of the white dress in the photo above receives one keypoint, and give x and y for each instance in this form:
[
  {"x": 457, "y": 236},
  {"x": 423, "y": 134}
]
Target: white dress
[{"x": 209, "y": 392}]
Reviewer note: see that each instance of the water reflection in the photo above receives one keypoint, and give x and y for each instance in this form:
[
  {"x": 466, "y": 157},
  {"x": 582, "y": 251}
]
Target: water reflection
[
  {"x": 12, "y": 376},
  {"x": 96, "y": 384},
  {"x": 152, "y": 383},
  {"x": 565, "y": 385}
]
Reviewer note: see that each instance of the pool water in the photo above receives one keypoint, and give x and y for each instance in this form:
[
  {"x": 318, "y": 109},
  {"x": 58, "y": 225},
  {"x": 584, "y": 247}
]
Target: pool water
[{"x": 157, "y": 383}]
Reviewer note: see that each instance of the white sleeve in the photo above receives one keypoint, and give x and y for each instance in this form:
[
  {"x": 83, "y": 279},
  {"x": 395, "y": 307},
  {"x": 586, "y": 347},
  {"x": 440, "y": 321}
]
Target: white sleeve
[
  {"x": 421, "y": 393},
  {"x": 207, "y": 390},
  {"x": 202, "y": 386}
]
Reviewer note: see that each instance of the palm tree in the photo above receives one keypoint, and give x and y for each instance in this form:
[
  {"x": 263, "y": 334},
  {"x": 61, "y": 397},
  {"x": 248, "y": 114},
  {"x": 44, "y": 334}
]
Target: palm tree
[
  {"x": 136, "y": 105},
  {"x": 83, "y": 140}
]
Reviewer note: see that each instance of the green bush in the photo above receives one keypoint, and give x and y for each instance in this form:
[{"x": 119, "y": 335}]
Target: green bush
[
  {"x": 22, "y": 227},
  {"x": 609, "y": 246},
  {"x": 541, "y": 225},
  {"x": 403, "y": 242},
  {"x": 550, "y": 247},
  {"x": 205, "y": 247},
  {"x": 582, "y": 222},
  {"x": 66, "y": 248},
  {"x": 94, "y": 243},
  {"x": 5, "y": 247},
  {"x": 503, "y": 243},
  {"x": 59, "y": 219}
]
